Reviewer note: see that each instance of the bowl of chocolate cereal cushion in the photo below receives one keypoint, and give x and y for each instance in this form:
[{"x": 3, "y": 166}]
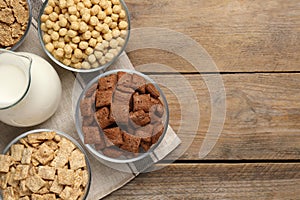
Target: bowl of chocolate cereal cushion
[
  {"x": 122, "y": 116},
  {"x": 15, "y": 21},
  {"x": 84, "y": 36}
]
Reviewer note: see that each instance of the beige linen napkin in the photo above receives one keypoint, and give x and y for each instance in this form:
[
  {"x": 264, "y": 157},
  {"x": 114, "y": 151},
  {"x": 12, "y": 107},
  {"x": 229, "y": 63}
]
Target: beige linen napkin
[{"x": 104, "y": 178}]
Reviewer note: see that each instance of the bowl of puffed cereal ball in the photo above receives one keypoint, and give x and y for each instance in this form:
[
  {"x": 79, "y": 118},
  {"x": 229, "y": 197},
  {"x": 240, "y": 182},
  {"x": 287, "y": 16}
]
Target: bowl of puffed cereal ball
[{"x": 84, "y": 35}]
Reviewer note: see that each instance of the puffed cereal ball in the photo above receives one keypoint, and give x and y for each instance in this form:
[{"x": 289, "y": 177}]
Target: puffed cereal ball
[
  {"x": 51, "y": 3},
  {"x": 83, "y": 27},
  {"x": 117, "y": 9},
  {"x": 56, "y": 26},
  {"x": 115, "y": 2},
  {"x": 67, "y": 61},
  {"x": 105, "y": 28},
  {"x": 85, "y": 65},
  {"x": 99, "y": 39},
  {"x": 86, "y": 17},
  {"x": 54, "y": 36},
  {"x": 44, "y": 18},
  {"x": 74, "y": 26},
  {"x": 87, "y": 3},
  {"x": 47, "y": 38},
  {"x": 92, "y": 42},
  {"x": 95, "y": 34},
  {"x": 105, "y": 44},
  {"x": 77, "y": 53},
  {"x": 62, "y": 31},
  {"x": 121, "y": 41},
  {"x": 95, "y": 65},
  {"x": 107, "y": 36},
  {"x": 72, "y": 10},
  {"x": 122, "y": 14},
  {"x": 49, "y": 24},
  {"x": 60, "y": 52},
  {"x": 43, "y": 27},
  {"x": 69, "y": 56},
  {"x": 99, "y": 47},
  {"x": 114, "y": 17},
  {"x": 63, "y": 22},
  {"x": 76, "y": 39},
  {"x": 98, "y": 54},
  {"x": 53, "y": 16},
  {"x": 108, "y": 11},
  {"x": 92, "y": 58},
  {"x": 77, "y": 65},
  {"x": 104, "y": 4},
  {"x": 109, "y": 57},
  {"x": 102, "y": 61},
  {"x": 48, "y": 10},
  {"x": 83, "y": 45},
  {"x": 123, "y": 25},
  {"x": 72, "y": 33},
  {"x": 80, "y": 6},
  {"x": 115, "y": 33},
  {"x": 113, "y": 43},
  {"x": 99, "y": 27},
  {"x": 113, "y": 51},
  {"x": 123, "y": 33},
  {"x": 113, "y": 25},
  {"x": 87, "y": 35},
  {"x": 49, "y": 47},
  {"x": 89, "y": 51},
  {"x": 101, "y": 15},
  {"x": 61, "y": 44},
  {"x": 94, "y": 21},
  {"x": 68, "y": 49},
  {"x": 95, "y": 10},
  {"x": 70, "y": 3}
]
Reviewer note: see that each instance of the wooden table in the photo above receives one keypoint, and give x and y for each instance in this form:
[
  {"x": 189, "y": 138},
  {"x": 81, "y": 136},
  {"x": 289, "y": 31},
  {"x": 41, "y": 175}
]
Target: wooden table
[{"x": 255, "y": 45}]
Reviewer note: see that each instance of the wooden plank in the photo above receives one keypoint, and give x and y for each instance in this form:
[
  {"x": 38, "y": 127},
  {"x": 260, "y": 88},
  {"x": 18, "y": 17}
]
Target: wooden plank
[
  {"x": 241, "y": 36},
  {"x": 262, "y": 116},
  {"x": 216, "y": 181}
]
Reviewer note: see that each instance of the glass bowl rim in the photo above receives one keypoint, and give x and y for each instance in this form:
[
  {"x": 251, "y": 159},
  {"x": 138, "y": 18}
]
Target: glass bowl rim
[
  {"x": 101, "y": 67},
  {"x": 79, "y": 124},
  {"x": 60, "y": 133}
]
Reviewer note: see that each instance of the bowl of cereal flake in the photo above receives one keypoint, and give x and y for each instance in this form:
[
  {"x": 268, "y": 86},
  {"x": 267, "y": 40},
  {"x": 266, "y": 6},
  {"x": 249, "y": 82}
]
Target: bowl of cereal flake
[
  {"x": 84, "y": 36},
  {"x": 15, "y": 21},
  {"x": 44, "y": 164}
]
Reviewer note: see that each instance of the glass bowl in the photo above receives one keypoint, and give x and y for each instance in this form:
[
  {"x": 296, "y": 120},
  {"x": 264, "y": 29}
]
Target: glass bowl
[
  {"x": 124, "y": 156},
  {"x": 16, "y": 140},
  {"x": 98, "y": 66},
  {"x": 21, "y": 40}
]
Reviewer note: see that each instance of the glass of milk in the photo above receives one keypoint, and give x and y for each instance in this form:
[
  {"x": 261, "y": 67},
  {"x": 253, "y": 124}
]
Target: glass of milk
[{"x": 30, "y": 89}]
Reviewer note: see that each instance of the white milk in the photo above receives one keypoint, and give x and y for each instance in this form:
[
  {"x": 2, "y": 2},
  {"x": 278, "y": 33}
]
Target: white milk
[
  {"x": 41, "y": 100},
  {"x": 11, "y": 89}
]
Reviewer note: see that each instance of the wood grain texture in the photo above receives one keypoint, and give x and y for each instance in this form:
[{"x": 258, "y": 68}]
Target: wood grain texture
[
  {"x": 262, "y": 117},
  {"x": 241, "y": 36},
  {"x": 216, "y": 181}
]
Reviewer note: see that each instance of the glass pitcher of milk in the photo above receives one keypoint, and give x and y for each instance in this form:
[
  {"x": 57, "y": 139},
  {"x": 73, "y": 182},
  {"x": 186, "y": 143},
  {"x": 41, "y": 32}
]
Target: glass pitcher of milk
[{"x": 30, "y": 89}]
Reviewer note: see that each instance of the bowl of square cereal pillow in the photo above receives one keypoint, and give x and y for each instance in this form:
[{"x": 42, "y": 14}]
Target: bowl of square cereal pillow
[
  {"x": 84, "y": 35},
  {"x": 44, "y": 164},
  {"x": 122, "y": 116}
]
